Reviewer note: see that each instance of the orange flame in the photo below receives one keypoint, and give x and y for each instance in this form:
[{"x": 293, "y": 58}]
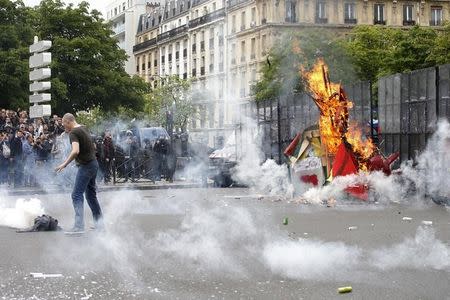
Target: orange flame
[{"x": 333, "y": 123}]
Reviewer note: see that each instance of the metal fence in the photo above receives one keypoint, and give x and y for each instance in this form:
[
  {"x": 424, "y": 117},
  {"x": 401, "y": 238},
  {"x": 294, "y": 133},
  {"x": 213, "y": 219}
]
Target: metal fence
[
  {"x": 409, "y": 106},
  {"x": 279, "y": 120}
]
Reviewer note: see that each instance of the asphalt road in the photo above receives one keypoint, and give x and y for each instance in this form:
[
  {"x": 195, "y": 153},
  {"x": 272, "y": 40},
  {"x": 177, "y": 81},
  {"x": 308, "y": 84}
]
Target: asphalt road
[{"x": 230, "y": 244}]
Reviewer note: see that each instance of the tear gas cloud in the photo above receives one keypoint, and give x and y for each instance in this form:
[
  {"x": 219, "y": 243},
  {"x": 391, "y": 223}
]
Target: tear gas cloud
[{"x": 19, "y": 213}]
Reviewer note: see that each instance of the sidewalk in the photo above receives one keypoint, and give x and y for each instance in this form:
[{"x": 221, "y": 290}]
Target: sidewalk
[{"x": 53, "y": 189}]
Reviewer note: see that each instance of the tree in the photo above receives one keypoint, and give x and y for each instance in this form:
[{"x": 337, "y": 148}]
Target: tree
[
  {"x": 87, "y": 68},
  {"x": 87, "y": 63},
  {"x": 440, "y": 52},
  {"x": 296, "y": 50},
  {"x": 411, "y": 50},
  {"x": 16, "y": 34},
  {"x": 173, "y": 96}
]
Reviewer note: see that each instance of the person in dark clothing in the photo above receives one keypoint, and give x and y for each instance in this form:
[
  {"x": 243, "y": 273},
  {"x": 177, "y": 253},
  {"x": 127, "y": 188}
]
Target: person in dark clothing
[
  {"x": 108, "y": 153},
  {"x": 16, "y": 159},
  {"x": 5, "y": 153},
  {"x": 83, "y": 152}
]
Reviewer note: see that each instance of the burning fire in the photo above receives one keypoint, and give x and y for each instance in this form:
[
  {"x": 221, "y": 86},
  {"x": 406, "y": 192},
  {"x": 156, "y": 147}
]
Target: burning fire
[{"x": 333, "y": 123}]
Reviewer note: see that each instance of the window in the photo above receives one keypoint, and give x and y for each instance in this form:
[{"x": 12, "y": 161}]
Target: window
[
  {"x": 378, "y": 10},
  {"x": 123, "y": 6},
  {"x": 115, "y": 11},
  {"x": 321, "y": 10},
  {"x": 214, "y": 6},
  {"x": 408, "y": 15},
  {"x": 233, "y": 53},
  {"x": 436, "y": 16},
  {"x": 264, "y": 13},
  {"x": 243, "y": 20},
  {"x": 349, "y": 13},
  {"x": 253, "y": 49},
  {"x": 253, "y": 16},
  {"x": 263, "y": 44},
  {"x": 233, "y": 24},
  {"x": 243, "y": 51},
  {"x": 290, "y": 11}
]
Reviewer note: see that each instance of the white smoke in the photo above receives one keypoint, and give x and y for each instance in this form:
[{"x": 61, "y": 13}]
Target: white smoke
[
  {"x": 19, "y": 214},
  {"x": 424, "y": 251},
  {"x": 264, "y": 177},
  {"x": 310, "y": 259}
]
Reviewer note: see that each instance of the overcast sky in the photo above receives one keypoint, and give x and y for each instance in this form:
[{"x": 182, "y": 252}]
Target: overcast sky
[{"x": 94, "y": 4}]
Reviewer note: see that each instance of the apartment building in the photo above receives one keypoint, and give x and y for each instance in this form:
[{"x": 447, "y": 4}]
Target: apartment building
[
  {"x": 254, "y": 26},
  {"x": 186, "y": 38},
  {"x": 123, "y": 15},
  {"x": 222, "y": 45}
]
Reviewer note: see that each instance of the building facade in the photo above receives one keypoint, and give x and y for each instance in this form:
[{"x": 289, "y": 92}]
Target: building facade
[
  {"x": 123, "y": 16},
  {"x": 222, "y": 45}
]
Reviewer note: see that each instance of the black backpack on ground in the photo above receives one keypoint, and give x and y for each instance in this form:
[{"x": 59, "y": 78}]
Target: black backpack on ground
[{"x": 43, "y": 223}]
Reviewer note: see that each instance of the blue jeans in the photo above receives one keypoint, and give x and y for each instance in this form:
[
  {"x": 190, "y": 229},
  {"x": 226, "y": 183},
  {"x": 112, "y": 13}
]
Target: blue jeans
[{"x": 85, "y": 183}]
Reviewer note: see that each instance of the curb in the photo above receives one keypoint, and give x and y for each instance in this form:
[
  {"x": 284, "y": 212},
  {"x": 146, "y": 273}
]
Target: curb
[{"x": 105, "y": 189}]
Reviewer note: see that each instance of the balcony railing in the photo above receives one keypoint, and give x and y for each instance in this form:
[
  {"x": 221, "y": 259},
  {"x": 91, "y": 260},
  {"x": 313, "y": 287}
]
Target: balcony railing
[
  {"x": 379, "y": 22},
  {"x": 435, "y": 22},
  {"x": 145, "y": 44},
  {"x": 321, "y": 20},
  {"x": 231, "y": 3},
  {"x": 409, "y": 22},
  {"x": 207, "y": 18},
  {"x": 350, "y": 21},
  {"x": 172, "y": 33}
]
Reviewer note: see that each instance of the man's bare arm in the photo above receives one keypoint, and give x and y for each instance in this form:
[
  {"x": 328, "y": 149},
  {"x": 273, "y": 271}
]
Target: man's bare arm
[{"x": 74, "y": 153}]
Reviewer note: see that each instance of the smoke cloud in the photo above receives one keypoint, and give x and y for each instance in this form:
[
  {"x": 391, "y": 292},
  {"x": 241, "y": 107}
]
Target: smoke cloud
[{"x": 19, "y": 214}]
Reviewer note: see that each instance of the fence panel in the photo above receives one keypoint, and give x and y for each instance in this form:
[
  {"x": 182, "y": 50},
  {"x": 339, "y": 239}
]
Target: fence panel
[{"x": 444, "y": 92}]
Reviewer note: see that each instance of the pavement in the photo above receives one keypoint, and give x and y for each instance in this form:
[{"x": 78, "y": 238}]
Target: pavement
[{"x": 230, "y": 244}]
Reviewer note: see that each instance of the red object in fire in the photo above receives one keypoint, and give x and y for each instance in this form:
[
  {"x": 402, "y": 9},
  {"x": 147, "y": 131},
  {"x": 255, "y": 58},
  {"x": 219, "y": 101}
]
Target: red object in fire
[
  {"x": 310, "y": 179},
  {"x": 345, "y": 163},
  {"x": 379, "y": 163},
  {"x": 291, "y": 148}
]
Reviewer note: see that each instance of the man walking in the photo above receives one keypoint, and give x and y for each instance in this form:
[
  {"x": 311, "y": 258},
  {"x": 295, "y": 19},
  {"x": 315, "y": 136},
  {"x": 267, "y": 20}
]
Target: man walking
[{"x": 83, "y": 151}]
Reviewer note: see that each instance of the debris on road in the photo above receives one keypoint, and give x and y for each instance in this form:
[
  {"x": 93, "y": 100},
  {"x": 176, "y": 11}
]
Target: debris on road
[
  {"x": 345, "y": 289},
  {"x": 353, "y": 228},
  {"x": 427, "y": 223},
  {"x": 42, "y": 275},
  {"x": 285, "y": 221},
  {"x": 408, "y": 219}
]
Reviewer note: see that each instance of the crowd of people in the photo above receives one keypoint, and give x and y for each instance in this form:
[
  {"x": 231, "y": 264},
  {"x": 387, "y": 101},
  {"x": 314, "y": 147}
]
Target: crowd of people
[{"x": 31, "y": 148}]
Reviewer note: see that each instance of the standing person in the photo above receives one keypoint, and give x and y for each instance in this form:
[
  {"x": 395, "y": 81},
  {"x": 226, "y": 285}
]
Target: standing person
[
  {"x": 108, "y": 152},
  {"x": 83, "y": 151},
  {"x": 16, "y": 158}
]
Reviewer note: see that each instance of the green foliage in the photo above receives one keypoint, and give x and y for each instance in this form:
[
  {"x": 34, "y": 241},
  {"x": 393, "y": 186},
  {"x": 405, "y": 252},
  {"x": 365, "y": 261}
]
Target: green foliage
[
  {"x": 175, "y": 96},
  {"x": 281, "y": 73},
  {"x": 87, "y": 67},
  {"x": 440, "y": 52},
  {"x": 16, "y": 34}
]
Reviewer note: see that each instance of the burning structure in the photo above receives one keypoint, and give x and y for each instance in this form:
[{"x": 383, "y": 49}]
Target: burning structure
[{"x": 335, "y": 147}]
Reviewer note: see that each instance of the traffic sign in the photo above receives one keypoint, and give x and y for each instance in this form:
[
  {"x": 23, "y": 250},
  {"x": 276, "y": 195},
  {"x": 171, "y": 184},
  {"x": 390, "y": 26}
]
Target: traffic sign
[
  {"x": 40, "y": 86},
  {"x": 40, "y": 60},
  {"x": 39, "y": 111},
  {"x": 40, "y": 74},
  {"x": 37, "y": 98},
  {"x": 40, "y": 46}
]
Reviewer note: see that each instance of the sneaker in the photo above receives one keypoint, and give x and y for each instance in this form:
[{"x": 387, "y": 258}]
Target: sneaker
[{"x": 74, "y": 231}]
